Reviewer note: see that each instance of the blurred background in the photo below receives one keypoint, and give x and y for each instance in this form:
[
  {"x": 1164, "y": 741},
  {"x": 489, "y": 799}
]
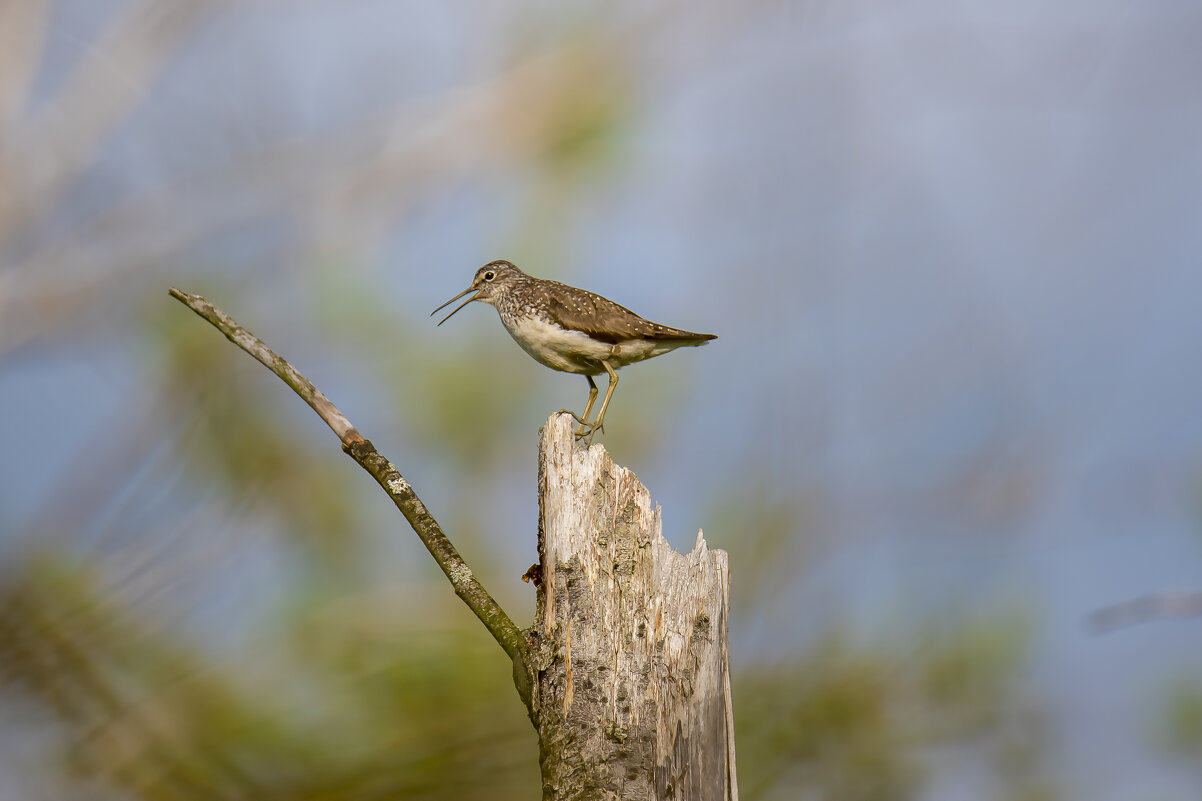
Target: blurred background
[{"x": 949, "y": 434}]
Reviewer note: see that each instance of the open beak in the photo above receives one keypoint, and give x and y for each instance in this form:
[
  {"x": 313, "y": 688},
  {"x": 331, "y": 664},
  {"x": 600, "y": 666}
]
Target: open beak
[{"x": 452, "y": 300}]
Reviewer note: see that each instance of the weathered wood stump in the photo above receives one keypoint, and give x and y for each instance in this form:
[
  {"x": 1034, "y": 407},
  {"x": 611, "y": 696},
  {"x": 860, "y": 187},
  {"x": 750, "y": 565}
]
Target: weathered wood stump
[{"x": 629, "y": 675}]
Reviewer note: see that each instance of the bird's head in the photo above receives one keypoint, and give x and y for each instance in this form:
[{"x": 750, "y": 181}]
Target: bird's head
[{"x": 490, "y": 281}]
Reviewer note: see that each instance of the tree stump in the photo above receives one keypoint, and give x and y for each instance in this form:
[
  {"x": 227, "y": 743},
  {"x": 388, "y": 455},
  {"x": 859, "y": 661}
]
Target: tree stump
[{"x": 628, "y": 662}]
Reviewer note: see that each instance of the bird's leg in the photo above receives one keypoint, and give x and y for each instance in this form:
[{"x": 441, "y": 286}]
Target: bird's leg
[
  {"x": 588, "y": 407},
  {"x": 583, "y": 420},
  {"x": 599, "y": 423}
]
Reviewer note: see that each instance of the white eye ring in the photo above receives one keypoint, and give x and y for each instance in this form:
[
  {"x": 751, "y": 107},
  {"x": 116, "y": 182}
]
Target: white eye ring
[{"x": 490, "y": 275}]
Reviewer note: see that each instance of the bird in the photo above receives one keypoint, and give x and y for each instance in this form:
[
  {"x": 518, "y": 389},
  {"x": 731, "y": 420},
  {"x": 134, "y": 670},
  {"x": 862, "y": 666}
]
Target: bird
[{"x": 571, "y": 330}]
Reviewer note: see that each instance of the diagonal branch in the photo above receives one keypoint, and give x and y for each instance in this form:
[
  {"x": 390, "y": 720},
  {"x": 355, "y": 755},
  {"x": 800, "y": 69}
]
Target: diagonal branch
[
  {"x": 288, "y": 374},
  {"x": 467, "y": 586}
]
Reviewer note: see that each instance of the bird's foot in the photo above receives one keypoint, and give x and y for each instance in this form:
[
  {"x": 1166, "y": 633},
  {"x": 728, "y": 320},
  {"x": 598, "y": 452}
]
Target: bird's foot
[
  {"x": 586, "y": 429},
  {"x": 575, "y": 416}
]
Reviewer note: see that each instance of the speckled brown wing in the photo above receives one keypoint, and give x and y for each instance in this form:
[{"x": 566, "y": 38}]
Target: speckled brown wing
[{"x": 606, "y": 321}]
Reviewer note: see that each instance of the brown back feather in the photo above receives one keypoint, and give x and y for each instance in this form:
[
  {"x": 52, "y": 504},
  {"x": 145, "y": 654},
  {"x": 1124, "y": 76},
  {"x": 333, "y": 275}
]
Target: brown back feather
[{"x": 606, "y": 321}]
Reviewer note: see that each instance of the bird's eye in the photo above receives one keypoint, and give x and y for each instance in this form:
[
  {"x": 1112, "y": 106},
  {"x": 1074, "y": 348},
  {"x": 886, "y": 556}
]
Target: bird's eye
[{"x": 490, "y": 275}]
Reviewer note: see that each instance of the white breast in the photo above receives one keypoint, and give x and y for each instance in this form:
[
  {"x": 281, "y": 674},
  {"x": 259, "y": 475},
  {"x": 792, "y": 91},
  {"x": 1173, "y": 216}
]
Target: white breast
[{"x": 558, "y": 348}]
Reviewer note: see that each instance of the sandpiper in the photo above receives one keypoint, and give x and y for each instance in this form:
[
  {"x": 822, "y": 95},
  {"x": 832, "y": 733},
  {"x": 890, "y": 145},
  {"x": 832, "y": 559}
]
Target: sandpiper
[{"x": 571, "y": 330}]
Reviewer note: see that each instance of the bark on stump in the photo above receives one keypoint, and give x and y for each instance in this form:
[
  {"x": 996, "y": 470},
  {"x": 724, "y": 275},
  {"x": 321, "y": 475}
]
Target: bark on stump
[{"x": 628, "y": 654}]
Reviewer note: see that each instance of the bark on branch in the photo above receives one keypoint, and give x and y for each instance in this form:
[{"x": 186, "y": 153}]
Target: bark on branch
[{"x": 463, "y": 580}]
